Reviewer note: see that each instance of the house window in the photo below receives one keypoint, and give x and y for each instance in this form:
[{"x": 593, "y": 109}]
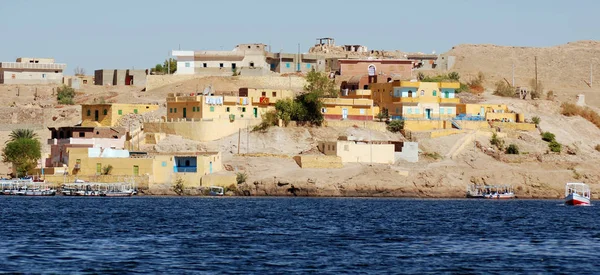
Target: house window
[
  {"x": 434, "y": 93},
  {"x": 171, "y": 110},
  {"x": 449, "y": 111},
  {"x": 264, "y": 93},
  {"x": 323, "y": 110},
  {"x": 187, "y": 64},
  {"x": 89, "y": 112},
  {"x": 120, "y": 112},
  {"x": 204, "y": 65},
  {"x": 410, "y": 94},
  {"x": 227, "y": 109},
  {"x": 397, "y": 111},
  {"x": 136, "y": 170},
  {"x": 43, "y": 75},
  {"x": 442, "y": 111},
  {"x": 287, "y": 65},
  {"x": 164, "y": 164},
  {"x": 220, "y": 65},
  {"x": 233, "y": 65},
  {"x": 105, "y": 112},
  {"x": 362, "y": 111},
  {"x": 81, "y": 134},
  {"x": 409, "y": 110},
  {"x": 251, "y": 64},
  {"x": 175, "y": 110},
  {"x": 243, "y": 109},
  {"x": 308, "y": 66},
  {"x": 212, "y": 108},
  {"x": 417, "y": 111},
  {"x": 85, "y": 81},
  {"x": 135, "y": 111},
  {"x": 274, "y": 94}
]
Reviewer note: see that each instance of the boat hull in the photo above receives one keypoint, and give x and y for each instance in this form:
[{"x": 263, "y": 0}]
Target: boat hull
[
  {"x": 576, "y": 199},
  {"x": 500, "y": 196}
]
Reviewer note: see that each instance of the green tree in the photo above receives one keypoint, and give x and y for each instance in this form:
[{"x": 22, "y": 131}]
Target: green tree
[
  {"x": 23, "y": 153},
  {"x": 548, "y": 137},
  {"x": 21, "y": 133},
  {"x": 165, "y": 66},
  {"x": 65, "y": 95},
  {"x": 383, "y": 115},
  {"x": 555, "y": 146},
  {"x": 241, "y": 177},
  {"x": 318, "y": 85},
  {"x": 536, "y": 120},
  {"x": 454, "y": 76},
  {"x": 512, "y": 149},
  {"x": 395, "y": 126}
]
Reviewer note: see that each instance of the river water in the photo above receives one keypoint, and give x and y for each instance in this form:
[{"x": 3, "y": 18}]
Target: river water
[{"x": 296, "y": 235}]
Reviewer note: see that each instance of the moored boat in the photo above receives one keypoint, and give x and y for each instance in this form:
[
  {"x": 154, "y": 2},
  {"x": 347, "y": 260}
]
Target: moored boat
[
  {"x": 577, "y": 193},
  {"x": 490, "y": 192}
]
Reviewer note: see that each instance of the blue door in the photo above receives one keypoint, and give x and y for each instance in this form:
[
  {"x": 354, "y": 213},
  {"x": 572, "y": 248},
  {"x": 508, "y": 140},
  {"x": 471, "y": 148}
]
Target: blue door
[
  {"x": 428, "y": 113},
  {"x": 210, "y": 167}
]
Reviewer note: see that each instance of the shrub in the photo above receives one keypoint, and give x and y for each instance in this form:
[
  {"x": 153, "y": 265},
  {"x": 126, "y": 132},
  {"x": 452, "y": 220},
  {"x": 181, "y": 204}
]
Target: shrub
[
  {"x": 434, "y": 155},
  {"x": 504, "y": 89},
  {"x": 241, "y": 177},
  {"x": 178, "y": 186},
  {"x": 547, "y": 136},
  {"x": 383, "y": 115},
  {"x": 454, "y": 76},
  {"x": 550, "y": 95},
  {"x": 496, "y": 141},
  {"x": 555, "y": 146},
  {"x": 268, "y": 119},
  {"x": 107, "y": 169},
  {"x": 536, "y": 120},
  {"x": 512, "y": 149},
  {"x": 421, "y": 76},
  {"x": 395, "y": 126},
  {"x": 65, "y": 95},
  {"x": 476, "y": 85}
]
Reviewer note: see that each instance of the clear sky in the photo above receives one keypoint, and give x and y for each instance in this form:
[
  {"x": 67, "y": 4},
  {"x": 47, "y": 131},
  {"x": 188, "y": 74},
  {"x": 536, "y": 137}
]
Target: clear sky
[{"x": 120, "y": 34}]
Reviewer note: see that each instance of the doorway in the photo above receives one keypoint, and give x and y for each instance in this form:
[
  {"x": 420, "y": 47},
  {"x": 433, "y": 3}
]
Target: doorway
[
  {"x": 210, "y": 167},
  {"x": 184, "y": 112},
  {"x": 255, "y": 112},
  {"x": 344, "y": 113},
  {"x": 96, "y": 115},
  {"x": 428, "y": 113}
]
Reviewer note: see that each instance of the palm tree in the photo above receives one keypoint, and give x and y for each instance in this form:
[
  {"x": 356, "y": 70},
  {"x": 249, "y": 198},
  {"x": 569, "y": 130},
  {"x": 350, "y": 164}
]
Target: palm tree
[{"x": 21, "y": 133}]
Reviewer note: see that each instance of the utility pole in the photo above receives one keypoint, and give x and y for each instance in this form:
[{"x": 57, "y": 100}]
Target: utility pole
[
  {"x": 169, "y": 64},
  {"x": 299, "y": 61},
  {"x": 536, "y": 76},
  {"x": 513, "y": 74},
  {"x": 591, "y": 75},
  {"x": 239, "y": 137}
]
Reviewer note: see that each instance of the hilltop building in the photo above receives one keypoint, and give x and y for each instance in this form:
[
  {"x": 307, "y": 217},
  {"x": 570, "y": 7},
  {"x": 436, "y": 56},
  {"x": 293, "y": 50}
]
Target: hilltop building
[
  {"x": 108, "y": 114},
  {"x": 111, "y": 77},
  {"x": 28, "y": 70},
  {"x": 245, "y": 59}
]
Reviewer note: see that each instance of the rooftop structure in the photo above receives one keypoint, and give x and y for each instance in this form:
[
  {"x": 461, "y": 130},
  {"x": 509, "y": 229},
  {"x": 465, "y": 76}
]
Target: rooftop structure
[{"x": 28, "y": 70}]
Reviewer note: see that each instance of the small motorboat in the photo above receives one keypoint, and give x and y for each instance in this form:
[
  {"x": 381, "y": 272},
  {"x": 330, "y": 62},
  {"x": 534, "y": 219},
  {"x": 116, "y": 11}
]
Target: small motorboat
[
  {"x": 216, "y": 191},
  {"x": 577, "y": 193}
]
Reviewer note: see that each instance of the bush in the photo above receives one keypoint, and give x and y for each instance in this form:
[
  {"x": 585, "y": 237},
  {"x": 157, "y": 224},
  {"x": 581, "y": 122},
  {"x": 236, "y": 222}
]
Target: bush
[
  {"x": 107, "y": 169},
  {"x": 65, "y": 95},
  {"x": 476, "y": 85},
  {"x": 383, "y": 115},
  {"x": 512, "y": 149},
  {"x": 454, "y": 76},
  {"x": 178, "y": 186},
  {"x": 536, "y": 120},
  {"x": 496, "y": 141},
  {"x": 395, "y": 126},
  {"x": 540, "y": 89},
  {"x": 268, "y": 119},
  {"x": 434, "y": 155},
  {"x": 241, "y": 177},
  {"x": 504, "y": 89},
  {"x": 547, "y": 136},
  {"x": 550, "y": 95},
  {"x": 555, "y": 146}
]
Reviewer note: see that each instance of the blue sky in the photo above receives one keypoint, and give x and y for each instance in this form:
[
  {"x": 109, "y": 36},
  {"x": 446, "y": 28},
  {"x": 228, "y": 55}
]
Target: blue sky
[{"x": 138, "y": 34}]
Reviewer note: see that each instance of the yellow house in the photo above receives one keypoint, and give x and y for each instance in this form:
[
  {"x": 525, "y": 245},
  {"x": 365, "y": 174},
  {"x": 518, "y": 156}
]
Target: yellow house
[
  {"x": 357, "y": 94},
  {"x": 162, "y": 168},
  {"x": 350, "y": 150},
  {"x": 198, "y": 107},
  {"x": 348, "y": 108},
  {"x": 417, "y": 100},
  {"x": 489, "y": 112},
  {"x": 94, "y": 115},
  {"x": 265, "y": 99}
]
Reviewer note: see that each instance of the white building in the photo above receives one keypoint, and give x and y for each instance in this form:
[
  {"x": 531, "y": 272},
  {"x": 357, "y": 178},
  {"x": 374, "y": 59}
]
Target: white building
[{"x": 31, "y": 71}]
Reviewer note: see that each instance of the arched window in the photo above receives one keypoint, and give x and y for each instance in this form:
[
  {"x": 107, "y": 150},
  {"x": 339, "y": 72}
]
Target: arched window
[
  {"x": 372, "y": 70},
  {"x": 410, "y": 94},
  {"x": 434, "y": 93},
  {"x": 105, "y": 112},
  {"x": 422, "y": 92}
]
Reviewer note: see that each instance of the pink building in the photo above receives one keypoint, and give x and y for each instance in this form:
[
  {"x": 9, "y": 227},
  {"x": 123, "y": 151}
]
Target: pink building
[{"x": 367, "y": 71}]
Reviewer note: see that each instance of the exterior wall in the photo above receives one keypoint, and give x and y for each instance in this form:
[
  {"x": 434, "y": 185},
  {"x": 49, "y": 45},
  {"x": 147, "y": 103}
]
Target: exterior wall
[
  {"x": 410, "y": 152},
  {"x": 121, "y": 166},
  {"x": 351, "y": 109},
  {"x": 395, "y": 68},
  {"x": 16, "y": 76},
  {"x": 120, "y": 77},
  {"x": 328, "y": 148},
  {"x": 104, "y": 77},
  {"x": 318, "y": 161},
  {"x": 271, "y": 81},
  {"x": 185, "y": 62},
  {"x": 164, "y": 169},
  {"x": 475, "y": 109},
  {"x": 196, "y": 107},
  {"x": 515, "y": 126},
  {"x": 109, "y": 114},
  {"x": 426, "y": 125},
  {"x": 201, "y": 130},
  {"x": 351, "y": 151}
]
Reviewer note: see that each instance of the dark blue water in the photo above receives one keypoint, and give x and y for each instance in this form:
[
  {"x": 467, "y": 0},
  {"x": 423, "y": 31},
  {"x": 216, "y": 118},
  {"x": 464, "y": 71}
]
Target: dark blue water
[{"x": 298, "y": 235}]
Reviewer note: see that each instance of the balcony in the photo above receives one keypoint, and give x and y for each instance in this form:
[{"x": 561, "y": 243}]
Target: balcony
[
  {"x": 190, "y": 169},
  {"x": 450, "y": 100},
  {"x": 406, "y": 99}
]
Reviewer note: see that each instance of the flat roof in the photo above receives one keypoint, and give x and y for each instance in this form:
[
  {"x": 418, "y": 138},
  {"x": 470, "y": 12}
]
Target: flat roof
[{"x": 373, "y": 60}]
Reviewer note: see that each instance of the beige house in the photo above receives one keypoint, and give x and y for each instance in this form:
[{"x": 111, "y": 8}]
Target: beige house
[
  {"x": 352, "y": 150},
  {"x": 28, "y": 70}
]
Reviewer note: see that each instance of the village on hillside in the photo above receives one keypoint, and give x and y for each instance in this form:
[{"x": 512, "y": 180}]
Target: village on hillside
[{"x": 339, "y": 120}]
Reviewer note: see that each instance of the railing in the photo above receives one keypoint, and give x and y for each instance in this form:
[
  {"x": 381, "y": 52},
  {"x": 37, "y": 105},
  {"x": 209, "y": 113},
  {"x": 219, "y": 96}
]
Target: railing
[
  {"x": 469, "y": 118},
  {"x": 18, "y": 65},
  {"x": 186, "y": 169}
]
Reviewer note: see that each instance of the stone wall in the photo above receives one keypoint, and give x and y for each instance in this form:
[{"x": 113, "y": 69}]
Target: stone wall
[
  {"x": 205, "y": 130},
  {"x": 318, "y": 161}
]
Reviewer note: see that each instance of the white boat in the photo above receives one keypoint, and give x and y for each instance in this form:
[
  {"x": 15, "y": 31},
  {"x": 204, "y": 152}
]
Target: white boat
[
  {"x": 577, "y": 193},
  {"x": 490, "y": 191},
  {"x": 216, "y": 191}
]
